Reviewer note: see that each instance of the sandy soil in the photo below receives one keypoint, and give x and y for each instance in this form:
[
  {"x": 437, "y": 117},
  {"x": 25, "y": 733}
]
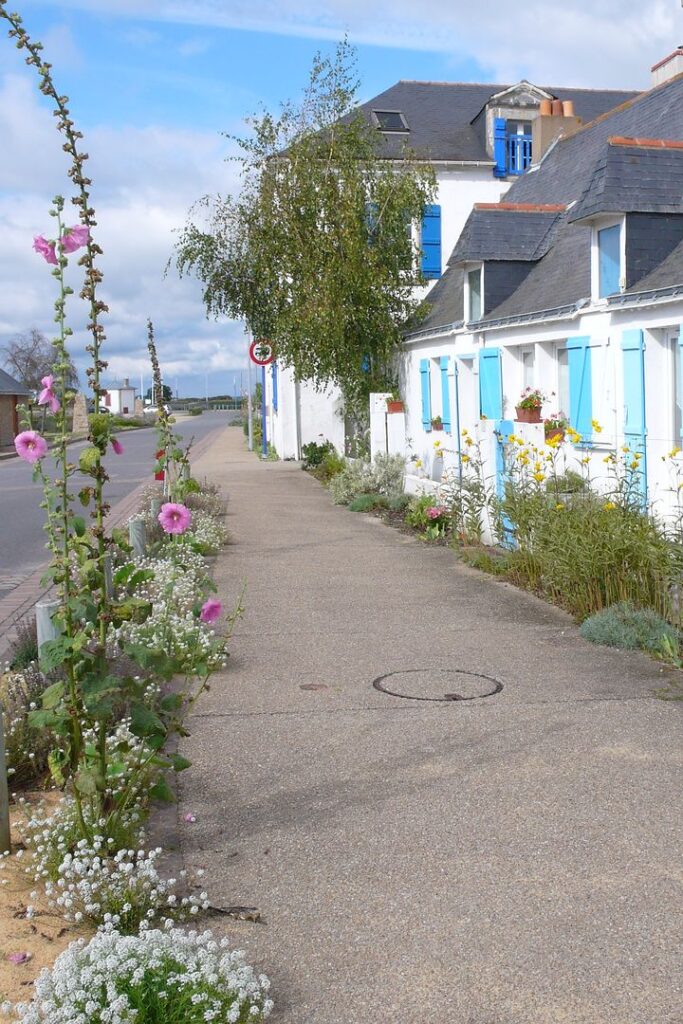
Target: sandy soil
[{"x": 43, "y": 937}]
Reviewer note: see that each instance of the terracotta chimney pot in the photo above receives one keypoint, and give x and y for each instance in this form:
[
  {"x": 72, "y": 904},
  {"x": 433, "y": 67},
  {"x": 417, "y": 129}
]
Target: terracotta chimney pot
[
  {"x": 557, "y": 108},
  {"x": 546, "y": 108},
  {"x": 568, "y": 108}
]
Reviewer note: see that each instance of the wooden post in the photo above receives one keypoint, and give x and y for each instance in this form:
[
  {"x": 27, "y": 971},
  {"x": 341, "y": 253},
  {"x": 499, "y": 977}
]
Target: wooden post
[
  {"x": 5, "y": 846},
  {"x": 137, "y": 536},
  {"x": 45, "y": 627}
]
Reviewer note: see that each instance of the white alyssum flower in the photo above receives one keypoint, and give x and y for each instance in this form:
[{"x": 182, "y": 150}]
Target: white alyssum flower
[{"x": 120, "y": 979}]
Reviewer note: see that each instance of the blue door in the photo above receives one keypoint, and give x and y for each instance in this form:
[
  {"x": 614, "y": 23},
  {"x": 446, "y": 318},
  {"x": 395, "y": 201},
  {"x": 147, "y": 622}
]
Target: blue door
[{"x": 633, "y": 364}]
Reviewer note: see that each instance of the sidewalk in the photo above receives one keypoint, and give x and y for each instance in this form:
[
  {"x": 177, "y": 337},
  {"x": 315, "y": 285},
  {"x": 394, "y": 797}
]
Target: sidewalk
[{"x": 513, "y": 859}]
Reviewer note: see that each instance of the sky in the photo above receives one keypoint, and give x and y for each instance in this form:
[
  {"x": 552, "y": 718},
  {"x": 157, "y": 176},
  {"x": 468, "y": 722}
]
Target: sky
[{"x": 155, "y": 86}]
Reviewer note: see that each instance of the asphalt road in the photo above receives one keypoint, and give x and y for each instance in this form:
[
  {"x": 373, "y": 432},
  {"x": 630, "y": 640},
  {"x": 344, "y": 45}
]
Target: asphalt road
[{"x": 22, "y": 540}]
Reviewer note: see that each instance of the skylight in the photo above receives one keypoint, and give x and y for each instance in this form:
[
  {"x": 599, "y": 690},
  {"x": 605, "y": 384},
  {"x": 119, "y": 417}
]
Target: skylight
[{"x": 390, "y": 121}]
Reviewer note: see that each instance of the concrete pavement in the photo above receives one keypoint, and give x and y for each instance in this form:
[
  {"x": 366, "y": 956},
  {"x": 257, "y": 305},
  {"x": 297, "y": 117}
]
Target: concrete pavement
[{"x": 513, "y": 859}]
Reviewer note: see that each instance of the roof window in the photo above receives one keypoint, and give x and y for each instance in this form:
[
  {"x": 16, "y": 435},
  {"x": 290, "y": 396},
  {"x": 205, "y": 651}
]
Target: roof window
[{"x": 390, "y": 121}]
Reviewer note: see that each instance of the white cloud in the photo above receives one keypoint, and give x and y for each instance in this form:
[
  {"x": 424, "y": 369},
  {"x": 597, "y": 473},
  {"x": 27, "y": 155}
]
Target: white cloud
[
  {"x": 145, "y": 180},
  {"x": 586, "y": 43}
]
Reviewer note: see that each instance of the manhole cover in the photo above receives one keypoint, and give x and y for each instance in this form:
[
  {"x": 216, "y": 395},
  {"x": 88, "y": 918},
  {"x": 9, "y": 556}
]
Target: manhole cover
[{"x": 437, "y": 684}]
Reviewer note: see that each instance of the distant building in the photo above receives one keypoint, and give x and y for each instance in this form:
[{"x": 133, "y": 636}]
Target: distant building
[
  {"x": 119, "y": 398},
  {"x": 12, "y": 393}
]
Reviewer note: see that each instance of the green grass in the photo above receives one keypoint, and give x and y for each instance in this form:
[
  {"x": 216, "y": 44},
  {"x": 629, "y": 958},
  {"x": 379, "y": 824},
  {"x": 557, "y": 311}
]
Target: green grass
[
  {"x": 368, "y": 502},
  {"x": 629, "y": 628}
]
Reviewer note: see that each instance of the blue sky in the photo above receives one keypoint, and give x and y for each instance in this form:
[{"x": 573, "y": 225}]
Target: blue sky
[{"x": 153, "y": 83}]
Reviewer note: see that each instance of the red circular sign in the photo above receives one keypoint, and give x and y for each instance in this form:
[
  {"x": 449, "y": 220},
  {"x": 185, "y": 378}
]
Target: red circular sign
[{"x": 261, "y": 352}]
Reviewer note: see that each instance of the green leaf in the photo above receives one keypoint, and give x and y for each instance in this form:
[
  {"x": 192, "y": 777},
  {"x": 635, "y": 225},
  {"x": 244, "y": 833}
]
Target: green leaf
[
  {"x": 171, "y": 702},
  {"x": 141, "y": 576},
  {"x": 162, "y": 791},
  {"x": 180, "y": 763},
  {"x": 84, "y": 496},
  {"x": 122, "y": 574},
  {"x": 86, "y": 782},
  {"x": 145, "y": 722},
  {"x": 78, "y": 523},
  {"x": 53, "y": 695},
  {"x": 54, "y": 653}
]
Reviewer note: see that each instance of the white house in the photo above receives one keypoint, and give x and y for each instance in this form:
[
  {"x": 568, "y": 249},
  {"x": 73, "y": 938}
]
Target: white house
[
  {"x": 480, "y": 139},
  {"x": 119, "y": 398},
  {"x": 574, "y": 285}
]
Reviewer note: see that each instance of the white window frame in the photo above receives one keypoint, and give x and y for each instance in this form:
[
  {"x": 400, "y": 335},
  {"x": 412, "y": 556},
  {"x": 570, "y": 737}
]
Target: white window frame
[
  {"x": 468, "y": 269},
  {"x": 599, "y": 225}
]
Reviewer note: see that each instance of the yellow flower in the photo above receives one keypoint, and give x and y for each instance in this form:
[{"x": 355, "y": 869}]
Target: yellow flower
[
  {"x": 573, "y": 435},
  {"x": 596, "y": 426},
  {"x": 465, "y": 457},
  {"x": 609, "y": 459},
  {"x": 469, "y": 442},
  {"x": 554, "y": 442},
  {"x": 674, "y": 452},
  {"x": 625, "y": 449},
  {"x": 634, "y": 464},
  {"x": 465, "y": 433},
  {"x": 539, "y": 476},
  {"x": 609, "y": 505},
  {"x": 418, "y": 462},
  {"x": 437, "y": 444},
  {"x": 559, "y": 506},
  {"x": 585, "y": 460}
]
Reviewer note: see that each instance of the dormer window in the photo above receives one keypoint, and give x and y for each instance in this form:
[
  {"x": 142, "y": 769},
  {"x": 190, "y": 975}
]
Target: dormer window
[
  {"x": 390, "y": 121},
  {"x": 608, "y": 259}
]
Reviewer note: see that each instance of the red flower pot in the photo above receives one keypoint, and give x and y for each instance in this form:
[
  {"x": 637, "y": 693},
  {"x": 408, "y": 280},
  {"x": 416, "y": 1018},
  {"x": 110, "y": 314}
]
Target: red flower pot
[
  {"x": 394, "y": 406},
  {"x": 528, "y": 415}
]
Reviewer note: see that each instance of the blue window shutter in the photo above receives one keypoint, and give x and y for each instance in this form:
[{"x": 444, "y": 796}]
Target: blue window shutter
[
  {"x": 426, "y": 396},
  {"x": 490, "y": 384},
  {"x": 274, "y": 372},
  {"x": 430, "y": 242},
  {"x": 445, "y": 395},
  {"x": 633, "y": 365},
  {"x": 499, "y": 148},
  {"x": 580, "y": 386},
  {"x": 609, "y": 260}
]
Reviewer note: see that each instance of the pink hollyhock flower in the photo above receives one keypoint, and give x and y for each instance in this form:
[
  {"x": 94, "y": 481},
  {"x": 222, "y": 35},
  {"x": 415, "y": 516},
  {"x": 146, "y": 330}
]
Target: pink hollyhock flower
[
  {"x": 117, "y": 446},
  {"x": 74, "y": 238},
  {"x": 435, "y": 511},
  {"x": 47, "y": 395},
  {"x": 46, "y": 249},
  {"x": 211, "y": 610},
  {"x": 30, "y": 446},
  {"x": 174, "y": 518}
]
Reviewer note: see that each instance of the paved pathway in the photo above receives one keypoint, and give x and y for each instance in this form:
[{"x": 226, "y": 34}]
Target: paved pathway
[{"x": 508, "y": 860}]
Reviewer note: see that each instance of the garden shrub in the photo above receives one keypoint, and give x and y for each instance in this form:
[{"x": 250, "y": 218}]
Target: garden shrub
[
  {"x": 314, "y": 452},
  {"x": 332, "y": 464},
  {"x": 24, "y": 646},
  {"x": 625, "y": 626},
  {"x": 399, "y": 502},
  {"x": 368, "y": 502},
  {"x": 389, "y": 474},
  {"x": 195, "y": 411},
  {"x": 156, "y": 977},
  {"x": 356, "y": 477}
]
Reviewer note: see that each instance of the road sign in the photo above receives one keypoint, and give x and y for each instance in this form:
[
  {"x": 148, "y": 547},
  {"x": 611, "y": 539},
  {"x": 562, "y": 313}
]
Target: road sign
[{"x": 261, "y": 352}]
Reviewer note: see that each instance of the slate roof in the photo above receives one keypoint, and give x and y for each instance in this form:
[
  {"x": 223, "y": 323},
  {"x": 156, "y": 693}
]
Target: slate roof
[
  {"x": 440, "y": 115},
  {"x": 634, "y": 175},
  {"x": 10, "y": 386},
  {"x": 562, "y": 277},
  {"x": 505, "y": 231}
]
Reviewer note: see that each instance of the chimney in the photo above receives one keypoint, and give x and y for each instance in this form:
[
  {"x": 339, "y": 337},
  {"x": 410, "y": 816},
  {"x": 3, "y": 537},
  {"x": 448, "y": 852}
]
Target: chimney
[
  {"x": 545, "y": 108},
  {"x": 668, "y": 68},
  {"x": 545, "y": 129},
  {"x": 125, "y": 382}
]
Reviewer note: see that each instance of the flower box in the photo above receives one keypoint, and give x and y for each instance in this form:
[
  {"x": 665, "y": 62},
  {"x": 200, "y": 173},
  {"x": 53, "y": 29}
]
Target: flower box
[
  {"x": 550, "y": 435},
  {"x": 394, "y": 406},
  {"x": 528, "y": 415}
]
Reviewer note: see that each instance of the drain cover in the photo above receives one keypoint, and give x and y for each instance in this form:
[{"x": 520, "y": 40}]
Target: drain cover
[{"x": 437, "y": 684}]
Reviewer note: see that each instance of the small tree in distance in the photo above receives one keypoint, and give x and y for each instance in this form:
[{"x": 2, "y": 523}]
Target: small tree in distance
[
  {"x": 316, "y": 252},
  {"x": 30, "y": 356}
]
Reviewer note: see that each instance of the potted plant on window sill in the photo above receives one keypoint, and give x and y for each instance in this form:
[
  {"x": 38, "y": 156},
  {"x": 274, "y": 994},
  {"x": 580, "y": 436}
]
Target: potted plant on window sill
[
  {"x": 437, "y": 423},
  {"x": 555, "y": 426},
  {"x": 528, "y": 408}
]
